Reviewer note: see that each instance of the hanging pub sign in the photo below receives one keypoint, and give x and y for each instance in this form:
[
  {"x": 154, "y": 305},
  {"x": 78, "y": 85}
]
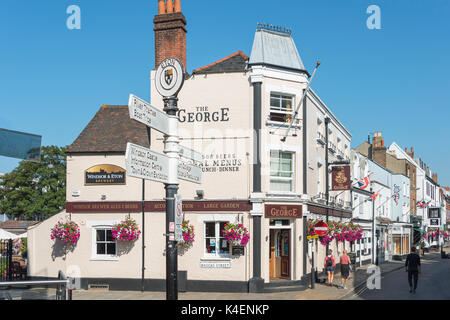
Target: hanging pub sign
[
  {"x": 104, "y": 174},
  {"x": 340, "y": 177}
]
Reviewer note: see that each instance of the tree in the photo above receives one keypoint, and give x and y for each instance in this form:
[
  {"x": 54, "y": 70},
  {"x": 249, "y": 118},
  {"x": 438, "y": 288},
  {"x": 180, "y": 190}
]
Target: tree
[{"x": 36, "y": 190}]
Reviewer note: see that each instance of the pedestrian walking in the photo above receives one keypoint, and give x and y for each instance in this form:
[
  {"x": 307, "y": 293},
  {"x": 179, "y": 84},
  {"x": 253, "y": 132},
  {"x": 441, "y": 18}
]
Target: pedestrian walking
[
  {"x": 412, "y": 266},
  {"x": 345, "y": 269},
  {"x": 330, "y": 266}
]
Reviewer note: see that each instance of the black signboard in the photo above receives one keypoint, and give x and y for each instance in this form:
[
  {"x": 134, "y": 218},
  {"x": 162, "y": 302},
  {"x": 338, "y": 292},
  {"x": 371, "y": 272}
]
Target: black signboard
[
  {"x": 238, "y": 251},
  {"x": 434, "y": 222},
  {"x": 104, "y": 174}
]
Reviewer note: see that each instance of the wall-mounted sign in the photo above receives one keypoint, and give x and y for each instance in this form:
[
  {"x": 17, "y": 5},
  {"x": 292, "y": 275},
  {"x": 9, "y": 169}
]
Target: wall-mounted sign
[
  {"x": 340, "y": 178},
  {"x": 237, "y": 251},
  {"x": 435, "y": 222},
  {"x": 104, "y": 174},
  {"x": 283, "y": 211},
  {"x": 215, "y": 265},
  {"x": 224, "y": 162}
]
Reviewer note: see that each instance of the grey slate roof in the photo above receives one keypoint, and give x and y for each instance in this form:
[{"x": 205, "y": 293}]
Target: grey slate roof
[
  {"x": 275, "y": 49},
  {"x": 236, "y": 62}
]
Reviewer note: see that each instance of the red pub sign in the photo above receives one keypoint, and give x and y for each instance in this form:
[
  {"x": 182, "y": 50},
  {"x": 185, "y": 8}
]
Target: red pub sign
[
  {"x": 283, "y": 211},
  {"x": 340, "y": 178}
]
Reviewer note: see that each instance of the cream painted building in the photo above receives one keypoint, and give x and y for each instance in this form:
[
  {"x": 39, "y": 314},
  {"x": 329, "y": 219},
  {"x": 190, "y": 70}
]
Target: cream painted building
[{"x": 235, "y": 112}]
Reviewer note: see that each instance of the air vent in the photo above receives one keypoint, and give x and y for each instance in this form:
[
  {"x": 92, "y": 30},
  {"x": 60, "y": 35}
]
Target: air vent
[{"x": 98, "y": 286}]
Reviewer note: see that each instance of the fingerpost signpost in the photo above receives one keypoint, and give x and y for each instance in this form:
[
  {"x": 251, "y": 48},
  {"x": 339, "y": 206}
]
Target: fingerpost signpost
[{"x": 166, "y": 168}]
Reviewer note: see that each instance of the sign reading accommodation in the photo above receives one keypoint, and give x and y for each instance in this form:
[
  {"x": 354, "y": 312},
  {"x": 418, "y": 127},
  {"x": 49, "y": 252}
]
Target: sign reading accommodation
[
  {"x": 340, "y": 177},
  {"x": 104, "y": 174}
]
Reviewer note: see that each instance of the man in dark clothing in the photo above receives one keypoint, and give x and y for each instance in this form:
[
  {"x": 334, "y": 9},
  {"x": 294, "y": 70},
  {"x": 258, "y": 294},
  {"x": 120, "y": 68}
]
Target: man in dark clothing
[{"x": 413, "y": 268}]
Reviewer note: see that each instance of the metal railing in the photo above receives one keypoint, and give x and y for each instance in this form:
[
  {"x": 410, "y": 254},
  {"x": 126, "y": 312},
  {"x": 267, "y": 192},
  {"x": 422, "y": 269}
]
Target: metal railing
[{"x": 63, "y": 285}]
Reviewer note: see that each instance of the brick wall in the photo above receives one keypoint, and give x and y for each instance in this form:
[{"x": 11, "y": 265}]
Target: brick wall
[{"x": 170, "y": 37}]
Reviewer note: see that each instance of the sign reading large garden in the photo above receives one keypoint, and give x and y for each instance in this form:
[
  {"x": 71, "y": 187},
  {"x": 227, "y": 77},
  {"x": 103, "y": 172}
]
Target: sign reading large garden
[{"x": 104, "y": 174}]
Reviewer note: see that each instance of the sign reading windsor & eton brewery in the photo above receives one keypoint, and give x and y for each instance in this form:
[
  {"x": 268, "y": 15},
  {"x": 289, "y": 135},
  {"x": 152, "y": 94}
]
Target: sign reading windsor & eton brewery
[
  {"x": 340, "y": 177},
  {"x": 104, "y": 174},
  {"x": 283, "y": 211}
]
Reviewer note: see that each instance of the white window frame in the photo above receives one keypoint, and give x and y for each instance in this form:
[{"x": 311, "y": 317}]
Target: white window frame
[
  {"x": 276, "y": 178},
  {"x": 280, "y": 110},
  {"x": 216, "y": 255},
  {"x": 101, "y": 225}
]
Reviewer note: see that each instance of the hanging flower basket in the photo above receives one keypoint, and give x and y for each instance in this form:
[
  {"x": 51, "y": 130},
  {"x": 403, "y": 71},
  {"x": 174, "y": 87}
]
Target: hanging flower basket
[
  {"x": 126, "y": 230},
  {"x": 236, "y": 234},
  {"x": 188, "y": 235},
  {"x": 67, "y": 232},
  {"x": 336, "y": 230}
]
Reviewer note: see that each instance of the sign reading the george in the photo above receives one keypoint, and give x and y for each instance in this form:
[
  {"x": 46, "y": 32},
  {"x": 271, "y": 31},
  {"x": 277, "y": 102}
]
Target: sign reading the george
[
  {"x": 340, "y": 176},
  {"x": 104, "y": 174},
  {"x": 283, "y": 211},
  {"x": 189, "y": 172},
  {"x": 169, "y": 77},
  {"x": 145, "y": 113},
  {"x": 178, "y": 218},
  {"x": 146, "y": 164}
]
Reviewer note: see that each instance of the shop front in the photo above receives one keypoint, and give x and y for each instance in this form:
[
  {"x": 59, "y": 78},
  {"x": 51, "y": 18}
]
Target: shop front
[{"x": 284, "y": 226}]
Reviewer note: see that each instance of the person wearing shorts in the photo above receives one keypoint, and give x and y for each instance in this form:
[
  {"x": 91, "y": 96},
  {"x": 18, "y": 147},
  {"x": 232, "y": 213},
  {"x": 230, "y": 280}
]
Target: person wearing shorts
[
  {"x": 345, "y": 269},
  {"x": 330, "y": 266}
]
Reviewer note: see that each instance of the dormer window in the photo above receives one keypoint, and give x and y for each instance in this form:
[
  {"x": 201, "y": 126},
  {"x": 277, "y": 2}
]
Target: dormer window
[{"x": 281, "y": 107}]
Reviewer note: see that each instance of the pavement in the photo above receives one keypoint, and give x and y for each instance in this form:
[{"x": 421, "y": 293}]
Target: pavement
[
  {"x": 320, "y": 292},
  {"x": 357, "y": 288}
]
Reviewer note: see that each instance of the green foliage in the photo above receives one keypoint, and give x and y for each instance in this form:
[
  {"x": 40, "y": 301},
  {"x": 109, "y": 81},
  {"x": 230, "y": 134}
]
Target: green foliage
[{"x": 35, "y": 189}]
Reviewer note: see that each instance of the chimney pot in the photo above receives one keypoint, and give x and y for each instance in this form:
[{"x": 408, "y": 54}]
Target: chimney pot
[
  {"x": 169, "y": 7},
  {"x": 382, "y": 143},
  {"x": 412, "y": 150},
  {"x": 161, "y": 7},
  {"x": 177, "y": 5}
]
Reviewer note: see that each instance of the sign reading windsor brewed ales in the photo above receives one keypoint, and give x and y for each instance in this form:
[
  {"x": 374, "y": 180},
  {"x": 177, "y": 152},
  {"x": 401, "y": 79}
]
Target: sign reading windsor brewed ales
[
  {"x": 340, "y": 177},
  {"x": 104, "y": 174}
]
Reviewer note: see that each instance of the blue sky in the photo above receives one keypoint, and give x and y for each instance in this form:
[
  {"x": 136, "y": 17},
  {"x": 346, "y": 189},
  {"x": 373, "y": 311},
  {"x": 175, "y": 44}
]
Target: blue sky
[{"x": 395, "y": 80}]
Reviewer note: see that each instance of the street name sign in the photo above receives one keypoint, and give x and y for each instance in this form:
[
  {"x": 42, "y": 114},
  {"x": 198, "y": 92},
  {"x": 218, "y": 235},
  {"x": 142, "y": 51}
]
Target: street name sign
[
  {"x": 189, "y": 172},
  {"x": 312, "y": 237},
  {"x": 144, "y": 163},
  {"x": 178, "y": 218},
  {"x": 145, "y": 113}
]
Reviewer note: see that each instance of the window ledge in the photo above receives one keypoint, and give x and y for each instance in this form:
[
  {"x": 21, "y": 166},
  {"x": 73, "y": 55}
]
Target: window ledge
[
  {"x": 271, "y": 123},
  {"x": 283, "y": 194},
  {"x": 104, "y": 258},
  {"x": 214, "y": 259}
]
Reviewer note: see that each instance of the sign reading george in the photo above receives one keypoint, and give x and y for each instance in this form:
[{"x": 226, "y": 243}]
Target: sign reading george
[
  {"x": 340, "y": 177},
  {"x": 169, "y": 77},
  {"x": 146, "y": 164},
  {"x": 178, "y": 218},
  {"x": 283, "y": 211},
  {"x": 145, "y": 113},
  {"x": 104, "y": 174}
]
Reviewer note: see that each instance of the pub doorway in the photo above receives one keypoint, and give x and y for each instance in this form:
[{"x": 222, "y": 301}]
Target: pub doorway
[{"x": 280, "y": 250}]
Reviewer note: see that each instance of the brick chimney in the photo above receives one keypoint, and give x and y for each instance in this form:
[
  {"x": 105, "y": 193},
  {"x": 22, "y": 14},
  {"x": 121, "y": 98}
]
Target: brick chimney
[
  {"x": 411, "y": 153},
  {"x": 378, "y": 149},
  {"x": 435, "y": 178},
  {"x": 170, "y": 32}
]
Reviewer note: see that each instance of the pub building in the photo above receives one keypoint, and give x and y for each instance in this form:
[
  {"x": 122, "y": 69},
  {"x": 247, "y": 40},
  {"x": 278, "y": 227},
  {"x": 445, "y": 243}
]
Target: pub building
[{"x": 234, "y": 112}]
